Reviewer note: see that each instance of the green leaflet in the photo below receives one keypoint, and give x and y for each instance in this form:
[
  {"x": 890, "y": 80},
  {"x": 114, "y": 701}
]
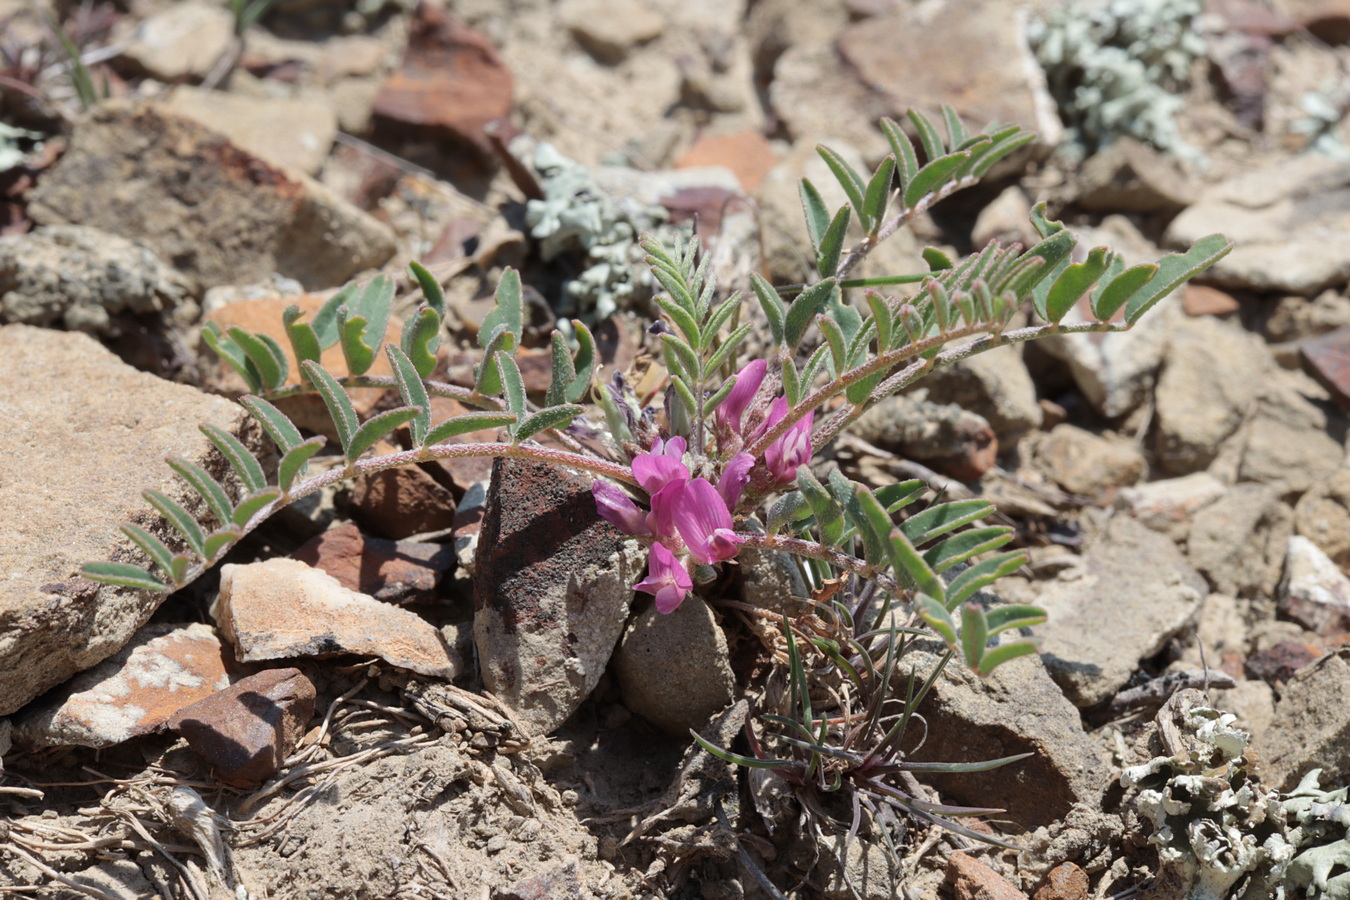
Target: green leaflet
[
  {"x": 123, "y": 575},
  {"x": 377, "y": 427}
]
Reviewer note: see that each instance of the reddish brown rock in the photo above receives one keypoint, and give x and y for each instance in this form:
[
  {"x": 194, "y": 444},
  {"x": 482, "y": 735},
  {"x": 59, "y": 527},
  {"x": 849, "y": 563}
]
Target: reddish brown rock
[
  {"x": 1203, "y": 300},
  {"x": 1327, "y": 358},
  {"x": 1280, "y": 663},
  {"x": 746, "y": 153},
  {"x": 282, "y": 608},
  {"x": 451, "y": 84},
  {"x": 263, "y": 316},
  {"x": 247, "y": 730},
  {"x": 165, "y": 668},
  {"x": 1066, "y": 881},
  {"x": 561, "y": 882},
  {"x": 552, "y": 586},
  {"x": 390, "y": 571},
  {"x": 401, "y": 502},
  {"x": 906, "y": 58},
  {"x": 1329, "y": 20},
  {"x": 971, "y": 879}
]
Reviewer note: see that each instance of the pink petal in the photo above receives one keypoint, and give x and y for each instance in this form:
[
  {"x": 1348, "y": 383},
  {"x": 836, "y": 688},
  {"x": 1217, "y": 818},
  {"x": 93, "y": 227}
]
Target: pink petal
[
  {"x": 784, "y": 456},
  {"x": 617, "y": 509},
  {"x": 667, "y": 579},
  {"x": 735, "y": 476},
  {"x": 662, "y": 465},
  {"x": 703, "y": 521},
  {"x": 732, "y": 409}
]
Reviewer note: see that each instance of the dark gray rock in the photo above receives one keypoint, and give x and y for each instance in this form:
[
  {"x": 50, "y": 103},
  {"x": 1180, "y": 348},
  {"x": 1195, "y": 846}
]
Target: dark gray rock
[
  {"x": 148, "y": 174},
  {"x": 552, "y": 586},
  {"x": 79, "y": 277}
]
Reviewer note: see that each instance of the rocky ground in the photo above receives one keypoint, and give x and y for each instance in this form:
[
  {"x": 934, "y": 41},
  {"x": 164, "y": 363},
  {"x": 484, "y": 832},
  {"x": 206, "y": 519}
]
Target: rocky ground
[{"x": 1181, "y": 489}]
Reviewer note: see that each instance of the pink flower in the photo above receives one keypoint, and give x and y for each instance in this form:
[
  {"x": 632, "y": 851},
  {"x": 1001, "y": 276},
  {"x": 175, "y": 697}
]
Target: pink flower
[
  {"x": 732, "y": 409},
  {"x": 701, "y": 517},
  {"x": 662, "y": 465},
  {"x": 735, "y": 476},
  {"x": 616, "y": 508},
  {"x": 784, "y": 456},
  {"x": 666, "y": 578}
]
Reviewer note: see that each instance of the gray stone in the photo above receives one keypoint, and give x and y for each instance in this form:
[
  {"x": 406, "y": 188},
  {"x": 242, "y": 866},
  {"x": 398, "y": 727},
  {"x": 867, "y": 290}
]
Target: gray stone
[
  {"x": 1313, "y": 590},
  {"x": 862, "y": 867},
  {"x": 80, "y": 277},
  {"x": 1292, "y": 443},
  {"x": 1213, "y": 374},
  {"x": 1289, "y": 224},
  {"x": 1017, "y": 709},
  {"x": 994, "y": 385},
  {"x": 1311, "y": 729},
  {"x": 81, "y": 435},
  {"x": 1133, "y": 593},
  {"x": 1238, "y": 542},
  {"x": 552, "y": 586},
  {"x": 1170, "y": 505},
  {"x": 770, "y": 579},
  {"x": 1130, "y": 176},
  {"x": 149, "y": 174},
  {"x": 906, "y": 57},
  {"x": 1088, "y": 464},
  {"x": 609, "y": 30},
  {"x": 288, "y": 132},
  {"x": 673, "y": 670},
  {"x": 183, "y": 40},
  {"x": 1323, "y": 516}
]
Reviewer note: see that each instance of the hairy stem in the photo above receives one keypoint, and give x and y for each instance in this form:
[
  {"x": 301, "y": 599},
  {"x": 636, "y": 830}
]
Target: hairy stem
[
  {"x": 918, "y": 369},
  {"x": 813, "y": 550},
  {"x": 869, "y": 243},
  {"x": 886, "y": 361},
  {"x": 385, "y": 382}
]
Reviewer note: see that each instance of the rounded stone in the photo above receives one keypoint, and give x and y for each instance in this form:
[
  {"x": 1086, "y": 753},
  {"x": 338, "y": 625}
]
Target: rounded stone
[{"x": 673, "y": 670}]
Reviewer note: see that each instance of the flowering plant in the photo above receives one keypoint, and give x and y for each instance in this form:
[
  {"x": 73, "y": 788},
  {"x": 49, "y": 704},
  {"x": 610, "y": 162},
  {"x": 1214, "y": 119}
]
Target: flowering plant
[{"x": 720, "y": 462}]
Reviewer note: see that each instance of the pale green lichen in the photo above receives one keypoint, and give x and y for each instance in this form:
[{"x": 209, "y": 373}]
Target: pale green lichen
[
  {"x": 1116, "y": 67},
  {"x": 577, "y": 216},
  {"x": 1213, "y": 823},
  {"x": 1320, "y": 830}
]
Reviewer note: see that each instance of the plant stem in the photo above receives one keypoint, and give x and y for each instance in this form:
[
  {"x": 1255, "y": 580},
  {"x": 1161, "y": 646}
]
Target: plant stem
[
  {"x": 890, "y": 359},
  {"x": 857, "y": 254},
  {"x": 813, "y": 550},
  {"x": 386, "y": 382}
]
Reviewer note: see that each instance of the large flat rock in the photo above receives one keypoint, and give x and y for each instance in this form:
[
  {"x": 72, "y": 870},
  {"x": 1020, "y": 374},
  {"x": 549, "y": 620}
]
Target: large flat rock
[
  {"x": 1133, "y": 593},
  {"x": 81, "y": 435},
  {"x": 215, "y": 211}
]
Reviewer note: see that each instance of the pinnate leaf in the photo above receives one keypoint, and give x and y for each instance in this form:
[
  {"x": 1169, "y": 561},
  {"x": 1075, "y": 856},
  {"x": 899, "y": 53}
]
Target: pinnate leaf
[
  {"x": 240, "y": 459},
  {"x": 278, "y": 426},
  {"x": 463, "y": 424},
  {"x": 552, "y": 417},
  {"x": 293, "y": 463}
]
